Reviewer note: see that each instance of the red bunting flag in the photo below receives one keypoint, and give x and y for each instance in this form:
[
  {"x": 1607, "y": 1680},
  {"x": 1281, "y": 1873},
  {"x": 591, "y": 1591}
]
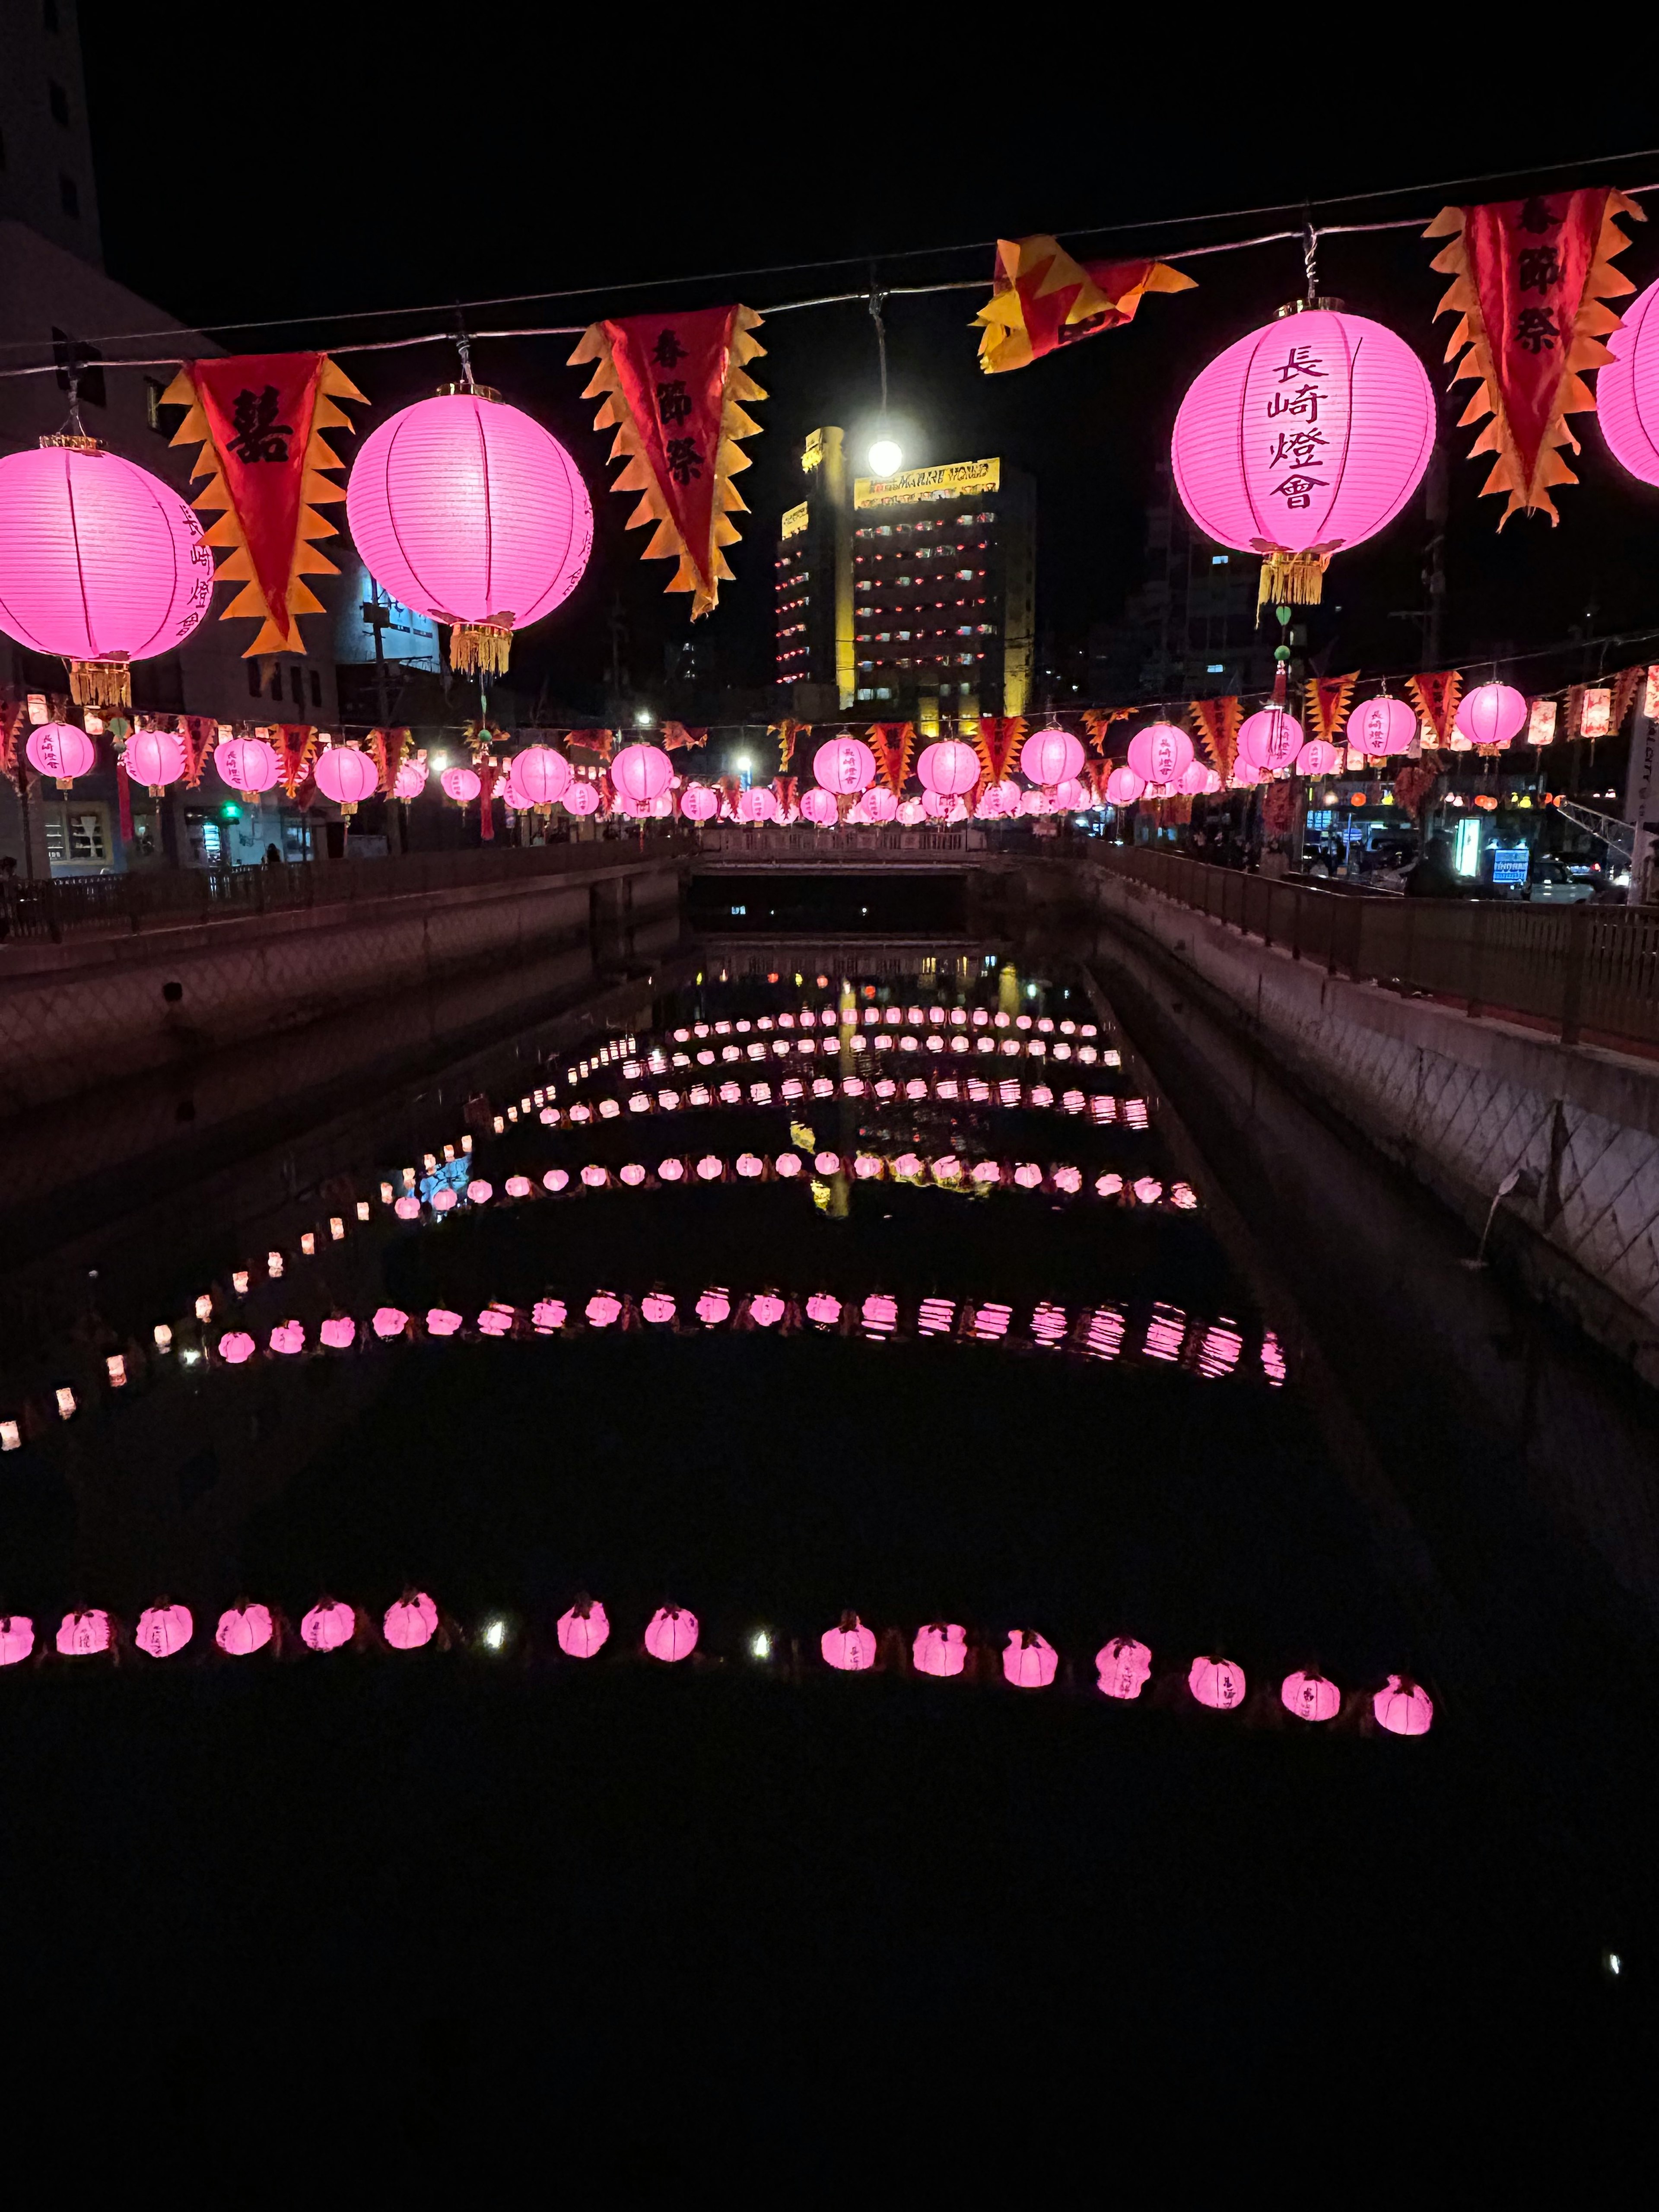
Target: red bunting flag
[
  {"x": 389, "y": 749},
  {"x": 1098, "y": 721},
  {"x": 892, "y": 743},
  {"x": 998, "y": 741},
  {"x": 1215, "y": 725},
  {"x": 783, "y": 790},
  {"x": 1329, "y": 698},
  {"x": 672, "y": 387},
  {"x": 787, "y": 734},
  {"x": 676, "y": 738},
  {"x": 200, "y": 733},
  {"x": 1435, "y": 698},
  {"x": 1042, "y": 299}
]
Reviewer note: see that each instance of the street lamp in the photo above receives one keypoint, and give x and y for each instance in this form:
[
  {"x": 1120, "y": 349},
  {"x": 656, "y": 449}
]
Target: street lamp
[{"x": 886, "y": 457}]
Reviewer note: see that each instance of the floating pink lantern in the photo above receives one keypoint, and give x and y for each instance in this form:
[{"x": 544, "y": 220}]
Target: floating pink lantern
[
  {"x": 443, "y": 1201},
  {"x": 155, "y": 758},
  {"x": 1304, "y": 437},
  {"x": 16, "y": 1638},
  {"x": 411, "y": 1622},
  {"x": 1270, "y": 739},
  {"x": 288, "y": 1338},
  {"x": 329, "y": 1626},
  {"x": 879, "y": 804},
  {"x": 641, "y": 773},
  {"x": 823, "y": 1308},
  {"x": 410, "y": 780},
  {"x": 583, "y": 1629},
  {"x": 248, "y": 765},
  {"x": 758, "y": 804},
  {"x": 713, "y": 1308},
  {"x": 60, "y": 751},
  {"x": 243, "y": 1630},
  {"x": 1028, "y": 1661},
  {"x": 1380, "y": 726},
  {"x": 952, "y": 767},
  {"x": 408, "y": 1207},
  {"x": 1161, "y": 753},
  {"x": 541, "y": 775},
  {"x": 766, "y": 1309},
  {"x": 518, "y": 1186},
  {"x": 603, "y": 1308},
  {"x": 581, "y": 801},
  {"x": 710, "y": 1168},
  {"x": 556, "y": 1179},
  {"x": 788, "y": 1165},
  {"x": 1124, "y": 787},
  {"x": 851, "y": 1647},
  {"x": 819, "y": 808},
  {"x": 1048, "y": 756},
  {"x": 478, "y": 1192},
  {"x": 466, "y": 510},
  {"x": 338, "y": 1332},
  {"x": 1627, "y": 390},
  {"x": 671, "y": 1635},
  {"x": 345, "y": 775},
  {"x": 1310, "y": 1697},
  {"x": 163, "y": 1630},
  {"x": 1123, "y": 1667},
  {"x": 699, "y": 804},
  {"x": 389, "y": 1322},
  {"x": 101, "y": 564},
  {"x": 236, "y": 1347},
  {"x": 1217, "y": 1683},
  {"x": 83, "y": 1635},
  {"x": 443, "y": 1321},
  {"x": 463, "y": 785},
  {"x": 658, "y": 1306},
  {"x": 547, "y": 1315},
  {"x": 1403, "y": 1707},
  {"x": 845, "y": 765},
  {"x": 1317, "y": 758},
  {"x": 940, "y": 1649},
  {"x": 911, "y": 814},
  {"x": 1491, "y": 715}
]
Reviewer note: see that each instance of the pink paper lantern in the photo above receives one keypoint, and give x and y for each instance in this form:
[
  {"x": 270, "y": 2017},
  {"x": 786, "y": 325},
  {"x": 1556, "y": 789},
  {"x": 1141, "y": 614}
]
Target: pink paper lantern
[
  {"x": 155, "y": 758},
  {"x": 1123, "y": 1667},
  {"x": 940, "y": 1649},
  {"x": 389, "y": 1322},
  {"x": 248, "y": 765},
  {"x": 1270, "y": 739},
  {"x": 671, "y": 1635},
  {"x": 1402, "y": 1706},
  {"x": 541, "y": 775},
  {"x": 1301, "y": 438},
  {"x": 758, "y": 804},
  {"x": 16, "y": 1638},
  {"x": 288, "y": 1338},
  {"x": 824, "y": 1310},
  {"x": 411, "y": 1622},
  {"x": 879, "y": 804},
  {"x": 851, "y": 1647},
  {"x": 1491, "y": 715},
  {"x": 338, "y": 1332},
  {"x": 713, "y": 1308},
  {"x": 243, "y": 1630},
  {"x": 936, "y": 805},
  {"x": 463, "y": 785},
  {"x": 408, "y": 1207},
  {"x": 1050, "y": 756},
  {"x": 766, "y": 1309},
  {"x": 443, "y": 1321},
  {"x": 1627, "y": 390},
  {"x": 328, "y": 1625},
  {"x": 1028, "y": 1661},
  {"x": 1070, "y": 797},
  {"x": 952, "y": 767},
  {"x": 1217, "y": 1683},
  {"x": 466, "y": 510},
  {"x": 846, "y": 765},
  {"x": 911, "y": 814},
  {"x": 992, "y": 806},
  {"x": 82, "y": 1635},
  {"x": 658, "y": 1306},
  {"x": 1124, "y": 787},
  {"x": 1161, "y": 753},
  {"x": 100, "y": 564},
  {"x": 1195, "y": 780},
  {"x": 1310, "y": 1697},
  {"x": 581, "y": 801},
  {"x": 1382, "y": 725},
  {"x": 478, "y": 1192},
  {"x": 345, "y": 775},
  {"x": 1317, "y": 758},
  {"x": 819, "y": 808},
  {"x": 163, "y": 1630},
  {"x": 583, "y": 1629},
  {"x": 60, "y": 751},
  {"x": 410, "y": 781},
  {"x": 699, "y": 804},
  {"x": 640, "y": 772},
  {"x": 603, "y": 1309},
  {"x": 236, "y": 1347}
]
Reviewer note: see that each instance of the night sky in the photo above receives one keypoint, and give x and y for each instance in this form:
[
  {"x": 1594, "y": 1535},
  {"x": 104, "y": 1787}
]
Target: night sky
[{"x": 399, "y": 173}]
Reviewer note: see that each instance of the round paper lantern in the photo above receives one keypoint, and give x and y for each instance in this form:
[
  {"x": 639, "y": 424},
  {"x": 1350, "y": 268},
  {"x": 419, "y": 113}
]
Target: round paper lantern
[
  {"x": 1627, "y": 390},
  {"x": 879, "y": 804},
  {"x": 951, "y": 767},
  {"x": 641, "y": 773},
  {"x": 243, "y": 1630},
  {"x": 1269, "y": 740},
  {"x": 16, "y": 1638},
  {"x": 583, "y": 1628},
  {"x": 329, "y": 1625},
  {"x": 671, "y": 1635},
  {"x": 1380, "y": 726},
  {"x": 81, "y": 1635},
  {"x": 410, "y": 781},
  {"x": 581, "y": 801},
  {"x": 937, "y": 807},
  {"x": 541, "y": 775},
  {"x": 940, "y": 1649},
  {"x": 603, "y": 1308},
  {"x": 288, "y": 1337},
  {"x": 236, "y": 1346},
  {"x": 1124, "y": 787},
  {"x": 1310, "y": 1697},
  {"x": 1123, "y": 1667},
  {"x": 1317, "y": 758},
  {"x": 911, "y": 815},
  {"x": 1034, "y": 802},
  {"x": 60, "y": 751},
  {"x": 163, "y": 1629},
  {"x": 408, "y": 1207},
  {"x": 1161, "y": 753},
  {"x": 345, "y": 775},
  {"x": 466, "y": 510},
  {"x": 1304, "y": 437},
  {"x": 850, "y": 1649},
  {"x": 992, "y": 807},
  {"x": 1193, "y": 780},
  {"x": 155, "y": 758},
  {"x": 658, "y": 1306},
  {"x": 1070, "y": 797},
  {"x": 1029, "y": 1660},
  {"x": 1401, "y": 1706},
  {"x": 1049, "y": 756},
  {"x": 845, "y": 765},
  {"x": 1217, "y": 1683},
  {"x": 248, "y": 765},
  {"x": 1491, "y": 715},
  {"x": 411, "y": 1622},
  {"x": 824, "y": 1307},
  {"x": 101, "y": 564},
  {"x": 463, "y": 785},
  {"x": 819, "y": 808},
  {"x": 699, "y": 804},
  {"x": 338, "y": 1332},
  {"x": 758, "y": 804}
]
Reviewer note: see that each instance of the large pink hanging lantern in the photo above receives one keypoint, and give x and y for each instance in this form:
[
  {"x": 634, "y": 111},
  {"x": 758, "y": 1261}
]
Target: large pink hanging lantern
[
  {"x": 641, "y": 773},
  {"x": 1302, "y": 438},
  {"x": 1217, "y": 1683},
  {"x": 1269, "y": 740},
  {"x": 1310, "y": 1697},
  {"x": 1029, "y": 1660},
  {"x": 581, "y": 801},
  {"x": 83, "y": 1635},
  {"x": 1403, "y": 1707},
  {"x": 1381, "y": 725},
  {"x": 819, "y": 808},
  {"x": 1317, "y": 758},
  {"x": 345, "y": 775},
  {"x": 671, "y": 1635},
  {"x": 410, "y": 780},
  {"x": 155, "y": 758},
  {"x": 1491, "y": 715},
  {"x": 1124, "y": 787},
  {"x": 940, "y": 1649},
  {"x": 846, "y": 765},
  {"x": 851, "y": 1647},
  {"x": 468, "y": 511},
  {"x": 1123, "y": 1667},
  {"x": 1162, "y": 753},
  {"x": 952, "y": 767},
  {"x": 62, "y": 751},
  {"x": 163, "y": 1630},
  {"x": 16, "y": 1638},
  {"x": 1048, "y": 756},
  {"x": 583, "y": 1629},
  {"x": 248, "y": 765},
  {"x": 243, "y": 1630},
  {"x": 758, "y": 804},
  {"x": 101, "y": 564},
  {"x": 1627, "y": 389},
  {"x": 411, "y": 1622},
  {"x": 329, "y": 1626},
  {"x": 879, "y": 804},
  {"x": 697, "y": 803},
  {"x": 463, "y": 785},
  {"x": 542, "y": 775}
]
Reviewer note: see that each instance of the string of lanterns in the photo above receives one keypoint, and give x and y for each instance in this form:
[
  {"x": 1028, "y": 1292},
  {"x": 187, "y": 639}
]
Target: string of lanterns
[{"x": 1103, "y": 1107}]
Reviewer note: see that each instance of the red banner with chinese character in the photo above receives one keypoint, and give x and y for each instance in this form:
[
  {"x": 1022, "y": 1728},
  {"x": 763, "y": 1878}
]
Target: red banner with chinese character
[
  {"x": 1041, "y": 299},
  {"x": 293, "y": 744},
  {"x": 892, "y": 743},
  {"x": 1215, "y": 725},
  {"x": 1329, "y": 698},
  {"x": 998, "y": 741},
  {"x": 1529, "y": 282},
  {"x": 1436, "y": 699},
  {"x": 200, "y": 733},
  {"x": 672, "y": 387},
  {"x": 258, "y": 419}
]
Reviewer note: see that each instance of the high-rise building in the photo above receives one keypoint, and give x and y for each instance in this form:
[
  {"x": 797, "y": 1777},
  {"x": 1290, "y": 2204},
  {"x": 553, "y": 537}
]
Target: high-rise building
[{"x": 911, "y": 596}]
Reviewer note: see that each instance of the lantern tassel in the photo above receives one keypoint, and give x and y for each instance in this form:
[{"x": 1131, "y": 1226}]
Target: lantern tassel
[
  {"x": 101, "y": 682},
  {"x": 1291, "y": 580},
  {"x": 481, "y": 647}
]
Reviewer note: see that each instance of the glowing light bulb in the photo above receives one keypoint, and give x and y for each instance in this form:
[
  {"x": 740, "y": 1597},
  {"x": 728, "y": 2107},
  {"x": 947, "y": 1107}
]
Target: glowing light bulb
[
  {"x": 760, "y": 1645},
  {"x": 885, "y": 458}
]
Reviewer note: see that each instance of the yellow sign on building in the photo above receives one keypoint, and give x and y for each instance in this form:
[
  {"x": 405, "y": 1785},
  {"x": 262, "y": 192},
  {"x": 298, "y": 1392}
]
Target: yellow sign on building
[
  {"x": 949, "y": 481},
  {"x": 795, "y": 520}
]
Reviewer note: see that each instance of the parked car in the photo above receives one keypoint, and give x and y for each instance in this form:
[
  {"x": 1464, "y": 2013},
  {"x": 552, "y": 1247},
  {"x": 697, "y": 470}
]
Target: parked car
[{"x": 1548, "y": 882}]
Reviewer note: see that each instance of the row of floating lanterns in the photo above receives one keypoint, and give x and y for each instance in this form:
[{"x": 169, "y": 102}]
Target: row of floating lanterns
[
  {"x": 1101, "y": 1107},
  {"x": 940, "y": 1651}
]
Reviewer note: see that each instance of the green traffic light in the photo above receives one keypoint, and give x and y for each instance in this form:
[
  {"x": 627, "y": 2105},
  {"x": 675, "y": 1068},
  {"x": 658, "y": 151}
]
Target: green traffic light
[{"x": 230, "y": 812}]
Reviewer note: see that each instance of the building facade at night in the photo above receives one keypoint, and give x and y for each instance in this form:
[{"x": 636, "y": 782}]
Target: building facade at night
[{"x": 911, "y": 597}]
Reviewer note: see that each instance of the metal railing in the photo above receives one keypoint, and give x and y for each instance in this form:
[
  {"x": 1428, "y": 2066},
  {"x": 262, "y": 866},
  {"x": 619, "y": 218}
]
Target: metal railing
[
  {"x": 1587, "y": 974},
  {"x": 734, "y": 841},
  {"x": 161, "y": 898}
]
